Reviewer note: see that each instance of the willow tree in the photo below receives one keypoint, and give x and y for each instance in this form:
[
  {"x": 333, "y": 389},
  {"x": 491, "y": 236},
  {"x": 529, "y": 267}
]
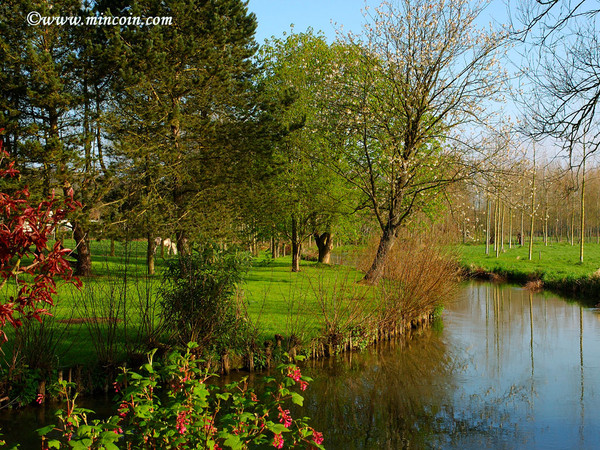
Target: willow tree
[{"x": 422, "y": 71}]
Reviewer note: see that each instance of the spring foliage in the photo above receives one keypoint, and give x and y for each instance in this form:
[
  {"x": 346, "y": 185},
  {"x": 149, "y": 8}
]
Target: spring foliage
[{"x": 25, "y": 256}]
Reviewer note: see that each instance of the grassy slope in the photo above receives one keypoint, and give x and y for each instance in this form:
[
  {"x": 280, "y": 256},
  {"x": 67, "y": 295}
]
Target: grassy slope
[{"x": 278, "y": 301}]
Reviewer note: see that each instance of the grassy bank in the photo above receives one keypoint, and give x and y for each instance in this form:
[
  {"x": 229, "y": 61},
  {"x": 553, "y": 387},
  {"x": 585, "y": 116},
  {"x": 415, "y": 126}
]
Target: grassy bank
[
  {"x": 278, "y": 302},
  {"x": 556, "y": 265},
  {"x": 117, "y": 316}
]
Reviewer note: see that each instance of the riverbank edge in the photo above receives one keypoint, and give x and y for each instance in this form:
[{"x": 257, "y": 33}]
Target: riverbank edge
[
  {"x": 584, "y": 289},
  {"x": 91, "y": 380}
]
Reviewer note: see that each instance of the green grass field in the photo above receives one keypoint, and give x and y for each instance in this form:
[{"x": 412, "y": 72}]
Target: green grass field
[
  {"x": 554, "y": 263},
  {"x": 278, "y": 301}
]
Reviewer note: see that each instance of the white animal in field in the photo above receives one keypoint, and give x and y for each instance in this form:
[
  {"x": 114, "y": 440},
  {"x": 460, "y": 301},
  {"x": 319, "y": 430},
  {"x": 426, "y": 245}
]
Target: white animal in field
[
  {"x": 170, "y": 246},
  {"x": 167, "y": 243}
]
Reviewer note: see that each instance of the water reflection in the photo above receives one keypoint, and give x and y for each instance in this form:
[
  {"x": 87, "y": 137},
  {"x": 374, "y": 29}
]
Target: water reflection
[
  {"x": 506, "y": 371},
  {"x": 388, "y": 397},
  {"x": 506, "y": 368}
]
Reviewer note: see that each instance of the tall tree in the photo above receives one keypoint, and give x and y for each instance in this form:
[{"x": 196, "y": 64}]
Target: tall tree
[
  {"x": 49, "y": 73},
  {"x": 186, "y": 110},
  {"x": 422, "y": 70},
  {"x": 308, "y": 198}
]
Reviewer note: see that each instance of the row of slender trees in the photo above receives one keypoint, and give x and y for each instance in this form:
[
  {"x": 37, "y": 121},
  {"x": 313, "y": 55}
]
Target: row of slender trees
[{"x": 551, "y": 200}]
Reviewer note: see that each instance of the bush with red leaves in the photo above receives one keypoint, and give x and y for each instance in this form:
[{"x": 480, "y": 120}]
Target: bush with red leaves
[{"x": 25, "y": 230}]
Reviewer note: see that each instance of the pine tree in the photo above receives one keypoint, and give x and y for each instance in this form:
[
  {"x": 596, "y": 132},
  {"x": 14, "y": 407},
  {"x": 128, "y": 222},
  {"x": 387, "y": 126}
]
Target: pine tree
[{"x": 184, "y": 100}]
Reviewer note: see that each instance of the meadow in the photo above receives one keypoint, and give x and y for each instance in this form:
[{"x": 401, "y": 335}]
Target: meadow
[
  {"x": 118, "y": 308},
  {"x": 557, "y": 265}
]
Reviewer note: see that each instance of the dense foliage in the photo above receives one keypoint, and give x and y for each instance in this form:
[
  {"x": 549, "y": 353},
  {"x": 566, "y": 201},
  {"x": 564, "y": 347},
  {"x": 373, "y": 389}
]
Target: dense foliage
[
  {"x": 171, "y": 406},
  {"x": 26, "y": 260},
  {"x": 198, "y": 297}
]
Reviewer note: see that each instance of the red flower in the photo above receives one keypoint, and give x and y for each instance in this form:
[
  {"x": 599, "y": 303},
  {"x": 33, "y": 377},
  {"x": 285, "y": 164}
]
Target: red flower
[
  {"x": 294, "y": 373},
  {"x": 278, "y": 441},
  {"x": 182, "y": 421},
  {"x": 317, "y": 437},
  {"x": 284, "y": 417}
]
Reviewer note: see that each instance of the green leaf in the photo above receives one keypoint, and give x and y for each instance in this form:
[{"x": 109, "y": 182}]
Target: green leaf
[
  {"x": 84, "y": 444},
  {"x": 107, "y": 437},
  {"x": 224, "y": 396},
  {"x": 84, "y": 430},
  {"x": 297, "y": 399},
  {"x": 110, "y": 446},
  {"x": 277, "y": 428},
  {"x": 233, "y": 442},
  {"x": 45, "y": 430}
]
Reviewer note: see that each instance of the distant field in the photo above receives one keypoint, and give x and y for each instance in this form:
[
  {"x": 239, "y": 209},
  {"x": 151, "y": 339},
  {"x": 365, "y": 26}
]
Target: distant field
[{"x": 554, "y": 261}]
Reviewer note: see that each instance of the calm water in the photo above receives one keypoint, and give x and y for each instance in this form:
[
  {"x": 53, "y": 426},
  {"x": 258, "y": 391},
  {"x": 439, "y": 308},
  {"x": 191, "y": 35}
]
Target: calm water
[
  {"x": 508, "y": 369},
  {"x": 505, "y": 369}
]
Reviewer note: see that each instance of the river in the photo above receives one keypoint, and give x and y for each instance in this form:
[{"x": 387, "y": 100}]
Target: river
[{"x": 505, "y": 368}]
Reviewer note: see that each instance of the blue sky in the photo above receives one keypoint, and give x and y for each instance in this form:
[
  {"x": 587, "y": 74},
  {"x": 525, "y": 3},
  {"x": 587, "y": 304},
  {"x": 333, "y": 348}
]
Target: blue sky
[{"x": 275, "y": 16}]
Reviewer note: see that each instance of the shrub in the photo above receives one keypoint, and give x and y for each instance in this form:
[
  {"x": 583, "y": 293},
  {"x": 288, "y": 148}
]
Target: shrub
[
  {"x": 171, "y": 406},
  {"x": 419, "y": 275},
  {"x": 25, "y": 229},
  {"x": 198, "y": 297}
]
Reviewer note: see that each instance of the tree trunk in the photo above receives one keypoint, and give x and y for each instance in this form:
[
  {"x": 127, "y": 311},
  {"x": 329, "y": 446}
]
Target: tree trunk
[
  {"x": 497, "y": 227},
  {"x": 325, "y": 245},
  {"x": 296, "y": 246},
  {"x": 502, "y": 229},
  {"x": 582, "y": 218},
  {"x": 488, "y": 224},
  {"x": 510, "y": 227},
  {"x": 385, "y": 244},
  {"x": 83, "y": 267},
  {"x": 112, "y": 247},
  {"x": 150, "y": 253},
  {"x": 532, "y": 208},
  {"x": 183, "y": 243}
]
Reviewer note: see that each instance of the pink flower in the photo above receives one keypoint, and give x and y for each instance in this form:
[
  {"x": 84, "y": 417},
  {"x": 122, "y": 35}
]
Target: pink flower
[
  {"x": 278, "y": 441},
  {"x": 182, "y": 421},
  {"x": 40, "y": 399},
  {"x": 284, "y": 417},
  {"x": 253, "y": 397},
  {"x": 294, "y": 373},
  {"x": 303, "y": 385},
  {"x": 317, "y": 437},
  {"x": 123, "y": 409}
]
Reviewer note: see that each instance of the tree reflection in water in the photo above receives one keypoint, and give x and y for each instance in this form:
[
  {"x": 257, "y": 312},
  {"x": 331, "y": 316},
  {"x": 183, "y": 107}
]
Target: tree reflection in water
[
  {"x": 398, "y": 396},
  {"x": 506, "y": 371}
]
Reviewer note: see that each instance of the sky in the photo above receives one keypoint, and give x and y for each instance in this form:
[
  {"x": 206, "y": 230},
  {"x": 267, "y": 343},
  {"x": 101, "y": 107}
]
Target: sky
[{"x": 276, "y": 16}]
